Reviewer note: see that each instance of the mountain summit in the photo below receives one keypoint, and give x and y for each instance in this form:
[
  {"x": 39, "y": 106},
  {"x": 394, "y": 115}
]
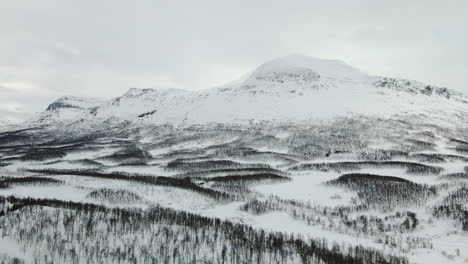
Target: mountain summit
[
  {"x": 324, "y": 67},
  {"x": 66, "y": 109}
]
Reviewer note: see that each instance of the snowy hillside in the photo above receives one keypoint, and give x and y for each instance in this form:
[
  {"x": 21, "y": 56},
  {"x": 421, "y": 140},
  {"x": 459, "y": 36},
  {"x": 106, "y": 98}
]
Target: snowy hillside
[{"x": 294, "y": 88}]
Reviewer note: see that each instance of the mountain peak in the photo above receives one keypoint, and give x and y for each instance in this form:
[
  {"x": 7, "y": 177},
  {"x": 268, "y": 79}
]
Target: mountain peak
[
  {"x": 73, "y": 102},
  {"x": 66, "y": 108},
  {"x": 135, "y": 92},
  {"x": 323, "y": 67}
]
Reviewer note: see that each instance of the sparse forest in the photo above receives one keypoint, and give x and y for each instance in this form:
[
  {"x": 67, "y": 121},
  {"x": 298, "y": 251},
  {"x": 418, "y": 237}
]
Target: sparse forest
[{"x": 349, "y": 191}]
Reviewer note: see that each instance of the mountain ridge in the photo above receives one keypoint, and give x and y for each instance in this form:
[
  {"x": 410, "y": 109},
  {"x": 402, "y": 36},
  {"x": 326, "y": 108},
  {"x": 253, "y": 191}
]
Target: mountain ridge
[{"x": 290, "y": 88}]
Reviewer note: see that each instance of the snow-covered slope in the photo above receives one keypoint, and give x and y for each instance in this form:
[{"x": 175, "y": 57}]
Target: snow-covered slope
[
  {"x": 66, "y": 109},
  {"x": 292, "y": 88}
]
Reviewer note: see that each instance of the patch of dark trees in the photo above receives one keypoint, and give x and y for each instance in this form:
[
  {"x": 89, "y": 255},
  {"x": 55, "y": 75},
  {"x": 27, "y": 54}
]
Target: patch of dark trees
[
  {"x": 328, "y": 166},
  {"x": 13, "y": 137},
  {"x": 251, "y": 153},
  {"x": 183, "y": 154},
  {"x": 58, "y": 148},
  {"x": 411, "y": 167},
  {"x": 250, "y": 178},
  {"x": 87, "y": 162},
  {"x": 6, "y": 182},
  {"x": 231, "y": 151},
  {"x": 239, "y": 189},
  {"x": 163, "y": 235},
  {"x": 385, "y": 192},
  {"x": 449, "y": 157},
  {"x": 343, "y": 219},
  {"x": 340, "y": 137},
  {"x": 129, "y": 154},
  {"x": 274, "y": 156},
  {"x": 377, "y": 226},
  {"x": 365, "y": 224},
  {"x": 171, "y": 138},
  {"x": 382, "y": 154},
  {"x": 114, "y": 196},
  {"x": 455, "y": 176},
  {"x": 227, "y": 172},
  {"x": 454, "y": 206},
  {"x": 461, "y": 149},
  {"x": 428, "y": 157},
  {"x": 459, "y": 142},
  {"x": 144, "y": 179},
  {"x": 454, "y": 211},
  {"x": 352, "y": 178},
  {"x": 43, "y": 154},
  {"x": 210, "y": 165},
  {"x": 147, "y": 114},
  {"x": 7, "y": 139},
  {"x": 421, "y": 145},
  {"x": 428, "y": 134},
  {"x": 274, "y": 203}
]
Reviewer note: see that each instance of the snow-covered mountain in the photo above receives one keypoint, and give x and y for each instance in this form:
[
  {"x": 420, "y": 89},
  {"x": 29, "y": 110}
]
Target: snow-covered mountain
[
  {"x": 66, "y": 109},
  {"x": 292, "y": 88}
]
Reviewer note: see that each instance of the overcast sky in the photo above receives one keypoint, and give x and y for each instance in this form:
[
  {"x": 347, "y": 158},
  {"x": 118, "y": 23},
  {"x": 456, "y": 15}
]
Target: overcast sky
[{"x": 96, "y": 48}]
